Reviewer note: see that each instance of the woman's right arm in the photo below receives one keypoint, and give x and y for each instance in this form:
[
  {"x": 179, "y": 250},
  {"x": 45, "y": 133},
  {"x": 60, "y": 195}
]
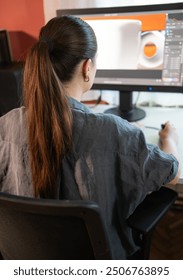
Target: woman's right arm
[{"x": 168, "y": 143}]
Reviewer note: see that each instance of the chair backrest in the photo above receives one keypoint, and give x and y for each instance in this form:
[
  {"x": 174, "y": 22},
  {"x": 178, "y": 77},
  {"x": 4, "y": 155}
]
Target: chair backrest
[{"x": 51, "y": 229}]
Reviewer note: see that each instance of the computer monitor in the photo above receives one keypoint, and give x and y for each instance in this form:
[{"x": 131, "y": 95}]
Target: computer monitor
[
  {"x": 5, "y": 49},
  {"x": 140, "y": 48}
]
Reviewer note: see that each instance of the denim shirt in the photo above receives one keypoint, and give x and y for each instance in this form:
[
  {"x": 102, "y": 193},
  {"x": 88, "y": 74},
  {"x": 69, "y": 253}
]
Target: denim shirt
[{"x": 110, "y": 164}]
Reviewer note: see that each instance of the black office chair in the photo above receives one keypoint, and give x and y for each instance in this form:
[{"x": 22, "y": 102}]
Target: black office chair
[
  {"x": 147, "y": 215},
  {"x": 57, "y": 229}
]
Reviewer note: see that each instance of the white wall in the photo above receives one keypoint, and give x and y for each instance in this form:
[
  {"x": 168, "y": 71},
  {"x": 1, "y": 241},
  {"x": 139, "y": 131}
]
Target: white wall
[{"x": 50, "y": 6}]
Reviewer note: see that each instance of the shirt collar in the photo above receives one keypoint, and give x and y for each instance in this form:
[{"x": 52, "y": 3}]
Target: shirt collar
[{"x": 78, "y": 105}]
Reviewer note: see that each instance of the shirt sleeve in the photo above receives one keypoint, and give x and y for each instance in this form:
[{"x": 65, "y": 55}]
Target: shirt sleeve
[
  {"x": 143, "y": 168},
  {"x": 15, "y": 176}
]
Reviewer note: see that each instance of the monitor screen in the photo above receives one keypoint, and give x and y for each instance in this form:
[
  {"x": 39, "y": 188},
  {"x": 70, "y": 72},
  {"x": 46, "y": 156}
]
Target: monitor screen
[
  {"x": 140, "y": 48},
  {"x": 5, "y": 49}
]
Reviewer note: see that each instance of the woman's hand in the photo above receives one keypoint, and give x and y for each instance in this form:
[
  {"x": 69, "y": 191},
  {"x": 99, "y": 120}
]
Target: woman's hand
[{"x": 168, "y": 132}]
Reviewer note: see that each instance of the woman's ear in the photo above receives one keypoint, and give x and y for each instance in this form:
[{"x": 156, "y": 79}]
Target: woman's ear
[{"x": 86, "y": 70}]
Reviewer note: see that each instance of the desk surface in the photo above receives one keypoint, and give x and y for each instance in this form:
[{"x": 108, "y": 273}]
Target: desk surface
[{"x": 155, "y": 116}]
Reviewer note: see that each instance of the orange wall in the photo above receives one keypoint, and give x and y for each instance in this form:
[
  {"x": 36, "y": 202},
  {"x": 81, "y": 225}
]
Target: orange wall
[{"x": 23, "y": 19}]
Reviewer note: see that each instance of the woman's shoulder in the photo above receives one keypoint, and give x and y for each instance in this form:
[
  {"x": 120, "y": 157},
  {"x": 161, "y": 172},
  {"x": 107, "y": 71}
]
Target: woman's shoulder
[
  {"x": 112, "y": 122},
  {"x": 13, "y": 113},
  {"x": 84, "y": 116}
]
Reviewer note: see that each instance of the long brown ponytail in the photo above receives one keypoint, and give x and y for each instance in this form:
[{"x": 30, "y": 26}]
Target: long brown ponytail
[
  {"x": 49, "y": 119},
  {"x": 50, "y": 63}
]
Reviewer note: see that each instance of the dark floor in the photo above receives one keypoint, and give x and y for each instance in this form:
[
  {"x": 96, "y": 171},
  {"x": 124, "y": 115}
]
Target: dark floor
[{"x": 167, "y": 242}]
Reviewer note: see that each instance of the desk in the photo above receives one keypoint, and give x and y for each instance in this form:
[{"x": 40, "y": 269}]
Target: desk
[{"x": 155, "y": 116}]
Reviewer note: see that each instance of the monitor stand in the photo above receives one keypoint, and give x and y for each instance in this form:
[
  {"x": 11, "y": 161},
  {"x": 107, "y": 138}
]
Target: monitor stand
[{"x": 126, "y": 109}]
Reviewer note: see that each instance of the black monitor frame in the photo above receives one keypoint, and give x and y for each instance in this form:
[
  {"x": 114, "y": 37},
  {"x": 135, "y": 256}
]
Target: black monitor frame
[{"x": 126, "y": 108}]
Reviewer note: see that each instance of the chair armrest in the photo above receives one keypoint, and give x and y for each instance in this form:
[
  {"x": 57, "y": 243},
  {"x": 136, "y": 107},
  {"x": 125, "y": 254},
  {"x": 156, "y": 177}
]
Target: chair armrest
[{"x": 152, "y": 210}]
